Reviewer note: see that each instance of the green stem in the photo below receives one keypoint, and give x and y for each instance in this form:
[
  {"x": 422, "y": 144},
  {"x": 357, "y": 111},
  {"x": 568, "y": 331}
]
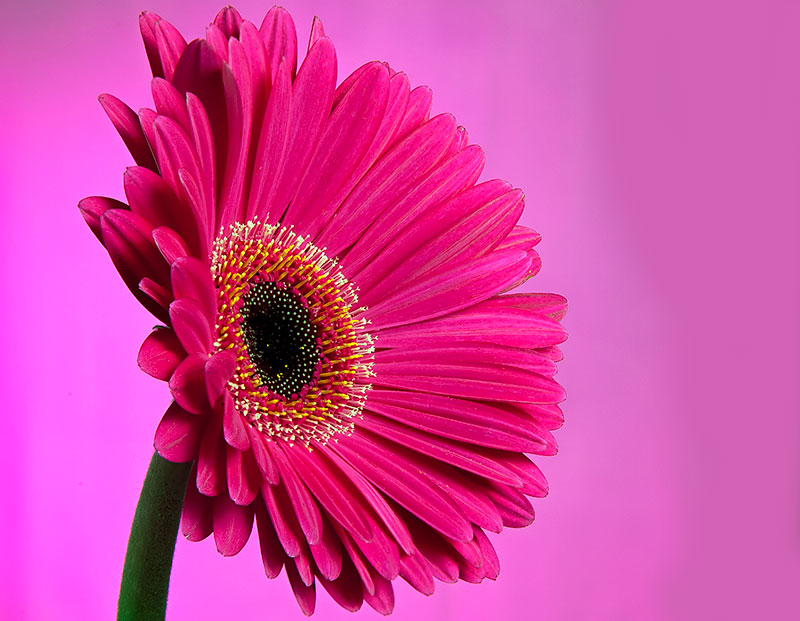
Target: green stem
[{"x": 148, "y": 561}]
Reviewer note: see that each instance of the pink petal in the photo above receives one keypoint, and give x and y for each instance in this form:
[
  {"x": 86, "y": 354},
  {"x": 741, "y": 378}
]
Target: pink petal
[
  {"x": 242, "y": 475},
  {"x": 178, "y": 435},
  {"x": 283, "y": 519},
  {"x": 265, "y": 463},
  {"x": 93, "y": 207},
  {"x": 280, "y": 39},
  {"x": 219, "y": 369},
  {"x": 309, "y": 129},
  {"x": 234, "y": 427},
  {"x": 305, "y": 595},
  {"x": 147, "y": 22},
  {"x": 388, "y": 182},
  {"x": 317, "y": 31},
  {"x": 191, "y": 278},
  {"x": 514, "y": 508},
  {"x": 417, "y": 112},
  {"x": 327, "y": 554},
  {"x": 196, "y": 518},
  {"x": 334, "y": 492},
  {"x": 169, "y": 102},
  {"x": 170, "y": 46},
  {"x": 381, "y": 552},
  {"x": 347, "y": 590},
  {"x": 438, "y": 554},
  {"x": 304, "y": 505},
  {"x": 211, "y": 460},
  {"x": 461, "y": 286},
  {"x": 357, "y": 558},
  {"x": 218, "y": 41},
  {"x": 232, "y": 525},
  {"x": 191, "y": 326},
  {"x": 272, "y": 554},
  {"x": 127, "y": 237},
  {"x": 415, "y": 570},
  {"x": 521, "y": 238},
  {"x": 154, "y": 200},
  {"x": 398, "y": 473},
  {"x": 160, "y": 294},
  {"x": 464, "y": 456},
  {"x": 169, "y": 244},
  {"x": 228, "y": 21},
  {"x": 160, "y": 354},
  {"x": 491, "y": 564},
  {"x": 203, "y": 140},
  {"x": 188, "y": 385},
  {"x": 126, "y": 122}
]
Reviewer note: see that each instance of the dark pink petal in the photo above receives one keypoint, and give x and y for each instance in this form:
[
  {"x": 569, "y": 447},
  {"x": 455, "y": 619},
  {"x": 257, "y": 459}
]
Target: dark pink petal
[
  {"x": 259, "y": 73},
  {"x": 203, "y": 140},
  {"x": 461, "y": 286},
  {"x": 327, "y": 554},
  {"x": 196, "y": 518},
  {"x": 160, "y": 294},
  {"x": 272, "y": 143},
  {"x": 146, "y": 119},
  {"x": 388, "y": 182},
  {"x": 228, "y": 21},
  {"x": 170, "y": 46},
  {"x": 491, "y": 564},
  {"x": 211, "y": 460},
  {"x": 438, "y": 554},
  {"x": 218, "y": 41},
  {"x": 175, "y": 152},
  {"x": 382, "y": 600},
  {"x": 234, "y": 427},
  {"x": 347, "y": 590},
  {"x": 160, "y": 354},
  {"x": 381, "y": 551},
  {"x": 188, "y": 385},
  {"x": 93, "y": 207},
  {"x": 317, "y": 31},
  {"x": 398, "y": 473},
  {"x": 169, "y": 244},
  {"x": 232, "y": 525},
  {"x": 191, "y": 325},
  {"x": 484, "y": 322},
  {"x": 242, "y": 475},
  {"x": 147, "y": 22},
  {"x": 280, "y": 39},
  {"x": 448, "y": 179},
  {"x": 464, "y": 456},
  {"x": 388, "y": 516},
  {"x": 283, "y": 519},
  {"x": 415, "y": 570},
  {"x": 126, "y": 122},
  {"x": 305, "y": 595},
  {"x": 355, "y": 555},
  {"x": 127, "y": 237},
  {"x": 178, "y": 435},
  {"x": 337, "y": 495},
  {"x": 169, "y": 102},
  {"x": 514, "y": 508},
  {"x": 304, "y": 505},
  {"x": 154, "y": 200},
  {"x": 303, "y": 564},
  {"x": 191, "y": 278},
  {"x": 272, "y": 554},
  {"x": 309, "y": 130},
  {"x": 459, "y": 419},
  {"x": 219, "y": 369},
  {"x": 265, "y": 463}
]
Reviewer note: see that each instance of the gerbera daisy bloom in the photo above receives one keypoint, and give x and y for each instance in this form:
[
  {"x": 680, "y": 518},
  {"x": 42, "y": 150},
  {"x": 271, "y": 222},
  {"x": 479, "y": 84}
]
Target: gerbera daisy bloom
[{"x": 348, "y": 369}]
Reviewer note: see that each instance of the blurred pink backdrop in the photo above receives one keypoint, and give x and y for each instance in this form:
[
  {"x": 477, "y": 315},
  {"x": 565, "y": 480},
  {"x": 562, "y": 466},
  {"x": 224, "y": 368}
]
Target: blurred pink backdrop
[{"x": 659, "y": 147}]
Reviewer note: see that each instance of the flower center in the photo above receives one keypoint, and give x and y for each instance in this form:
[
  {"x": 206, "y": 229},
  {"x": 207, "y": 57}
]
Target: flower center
[
  {"x": 290, "y": 316},
  {"x": 280, "y": 338}
]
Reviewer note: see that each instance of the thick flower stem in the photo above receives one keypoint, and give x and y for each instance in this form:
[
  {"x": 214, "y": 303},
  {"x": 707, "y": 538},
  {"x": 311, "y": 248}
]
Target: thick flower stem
[{"x": 148, "y": 561}]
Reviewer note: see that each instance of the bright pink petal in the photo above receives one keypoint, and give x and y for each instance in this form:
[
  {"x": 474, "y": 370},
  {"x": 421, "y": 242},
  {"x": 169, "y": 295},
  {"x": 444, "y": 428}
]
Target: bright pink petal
[
  {"x": 169, "y": 102},
  {"x": 232, "y": 525},
  {"x": 188, "y": 385},
  {"x": 169, "y": 244},
  {"x": 228, "y": 21},
  {"x": 196, "y": 518},
  {"x": 304, "y": 505},
  {"x": 283, "y": 519},
  {"x": 327, "y": 554},
  {"x": 280, "y": 39},
  {"x": 170, "y": 45},
  {"x": 347, "y": 590},
  {"x": 161, "y": 353},
  {"x": 234, "y": 427},
  {"x": 93, "y": 207},
  {"x": 211, "y": 460},
  {"x": 305, "y": 595},
  {"x": 242, "y": 475},
  {"x": 178, "y": 435},
  {"x": 126, "y": 122},
  {"x": 191, "y": 326},
  {"x": 415, "y": 570},
  {"x": 272, "y": 554},
  {"x": 265, "y": 463}
]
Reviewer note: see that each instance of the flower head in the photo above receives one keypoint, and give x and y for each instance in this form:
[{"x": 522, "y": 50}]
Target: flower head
[{"x": 349, "y": 371}]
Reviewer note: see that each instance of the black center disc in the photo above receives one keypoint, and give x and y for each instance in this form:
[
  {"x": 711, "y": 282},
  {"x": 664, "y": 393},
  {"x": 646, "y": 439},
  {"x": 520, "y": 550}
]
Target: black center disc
[{"x": 280, "y": 338}]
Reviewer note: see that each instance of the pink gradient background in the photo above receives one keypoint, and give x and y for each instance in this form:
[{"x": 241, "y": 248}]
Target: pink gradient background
[{"x": 659, "y": 148}]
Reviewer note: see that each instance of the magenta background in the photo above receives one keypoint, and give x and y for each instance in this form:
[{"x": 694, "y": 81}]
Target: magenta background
[{"x": 659, "y": 149}]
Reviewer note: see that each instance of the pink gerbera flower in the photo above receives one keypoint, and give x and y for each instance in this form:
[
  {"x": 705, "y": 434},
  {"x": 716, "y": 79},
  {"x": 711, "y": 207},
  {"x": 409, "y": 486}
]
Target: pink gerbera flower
[{"x": 348, "y": 370}]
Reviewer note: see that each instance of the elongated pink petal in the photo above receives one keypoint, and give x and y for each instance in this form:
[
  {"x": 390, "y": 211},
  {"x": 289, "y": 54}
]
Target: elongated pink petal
[
  {"x": 178, "y": 435},
  {"x": 327, "y": 554},
  {"x": 283, "y": 519},
  {"x": 415, "y": 570},
  {"x": 280, "y": 39},
  {"x": 272, "y": 554},
  {"x": 514, "y": 508},
  {"x": 491, "y": 564},
  {"x": 170, "y": 45},
  {"x": 169, "y": 102},
  {"x": 242, "y": 475},
  {"x": 93, "y": 207},
  {"x": 232, "y": 525},
  {"x": 188, "y": 385},
  {"x": 126, "y": 122},
  {"x": 160, "y": 354},
  {"x": 191, "y": 326},
  {"x": 355, "y": 555},
  {"x": 304, "y": 505},
  {"x": 191, "y": 278},
  {"x": 305, "y": 595},
  {"x": 211, "y": 460},
  {"x": 228, "y": 21},
  {"x": 347, "y": 590},
  {"x": 169, "y": 244},
  {"x": 160, "y": 294},
  {"x": 235, "y": 429},
  {"x": 395, "y": 471},
  {"x": 196, "y": 518},
  {"x": 265, "y": 463},
  {"x": 451, "y": 291}
]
